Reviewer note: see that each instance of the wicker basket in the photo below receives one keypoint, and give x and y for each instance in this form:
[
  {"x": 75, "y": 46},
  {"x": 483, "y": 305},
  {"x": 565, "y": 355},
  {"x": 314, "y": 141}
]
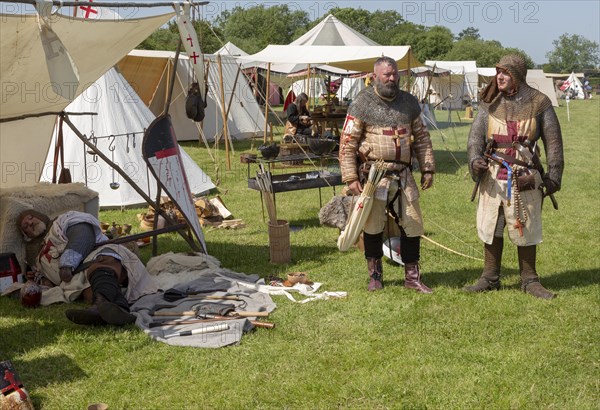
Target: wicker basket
[{"x": 279, "y": 242}]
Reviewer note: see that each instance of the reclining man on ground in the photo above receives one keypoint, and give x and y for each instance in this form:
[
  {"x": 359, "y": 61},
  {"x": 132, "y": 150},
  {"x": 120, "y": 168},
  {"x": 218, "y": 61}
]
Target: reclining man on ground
[{"x": 71, "y": 264}]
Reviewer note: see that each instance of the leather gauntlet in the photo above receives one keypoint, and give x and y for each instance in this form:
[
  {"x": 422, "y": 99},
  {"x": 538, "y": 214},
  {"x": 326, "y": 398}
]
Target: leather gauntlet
[{"x": 526, "y": 182}]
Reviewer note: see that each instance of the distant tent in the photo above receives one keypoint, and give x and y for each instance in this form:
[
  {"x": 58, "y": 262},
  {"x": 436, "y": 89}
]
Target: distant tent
[
  {"x": 535, "y": 79},
  {"x": 329, "y": 32},
  {"x": 149, "y": 73},
  {"x": 573, "y": 87},
  {"x": 457, "y": 90},
  {"x": 119, "y": 127},
  {"x": 231, "y": 49},
  {"x": 349, "y": 88},
  {"x": 332, "y": 32}
]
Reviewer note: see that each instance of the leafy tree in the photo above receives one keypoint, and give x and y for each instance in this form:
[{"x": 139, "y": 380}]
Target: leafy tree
[
  {"x": 433, "y": 44},
  {"x": 168, "y": 38},
  {"x": 573, "y": 53},
  {"x": 253, "y": 28},
  {"x": 471, "y": 33},
  {"x": 380, "y": 26},
  {"x": 487, "y": 53}
]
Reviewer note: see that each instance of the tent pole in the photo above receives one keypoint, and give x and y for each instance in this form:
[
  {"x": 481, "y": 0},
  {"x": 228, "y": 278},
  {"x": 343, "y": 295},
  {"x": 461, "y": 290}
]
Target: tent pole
[
  {"x": 308, "y": 91},
  {"x": 127, "y": 178},
  {"x": 224, "y": 114},
  {"x": 267, "y": 102}
]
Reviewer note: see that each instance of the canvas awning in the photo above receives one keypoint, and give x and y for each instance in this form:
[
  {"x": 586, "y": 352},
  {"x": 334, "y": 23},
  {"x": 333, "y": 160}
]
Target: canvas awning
[
  {"x": 351, "y": 58},
  {"x": 93, "y": 45}
]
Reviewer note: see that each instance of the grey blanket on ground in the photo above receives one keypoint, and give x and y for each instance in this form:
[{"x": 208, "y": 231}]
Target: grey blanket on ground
[{"x": 210, "y": 279}]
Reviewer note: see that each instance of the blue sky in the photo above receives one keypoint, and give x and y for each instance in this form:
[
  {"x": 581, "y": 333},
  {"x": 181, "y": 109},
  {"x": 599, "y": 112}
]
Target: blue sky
[{"x": 528, "y": 25}]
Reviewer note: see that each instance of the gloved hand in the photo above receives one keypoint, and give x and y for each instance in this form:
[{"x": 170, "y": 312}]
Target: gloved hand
[
  {"x": 550, "y": 186},
  {"x": 65, "y": 273},
  {"x": 480, "y": 166},
  {"x": 526, "y": 182},
  {"x": 426, "y": 180}
]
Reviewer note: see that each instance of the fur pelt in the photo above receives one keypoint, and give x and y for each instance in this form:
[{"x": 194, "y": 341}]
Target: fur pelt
[{"x": 335, "y": 213}]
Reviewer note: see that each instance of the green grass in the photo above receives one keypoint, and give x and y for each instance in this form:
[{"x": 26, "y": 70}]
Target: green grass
[{"x": 391, "y": 349}]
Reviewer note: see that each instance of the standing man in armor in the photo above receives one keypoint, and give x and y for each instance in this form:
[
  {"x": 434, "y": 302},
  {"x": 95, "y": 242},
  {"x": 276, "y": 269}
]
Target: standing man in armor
[
  {"x": 384, "y": 123},
  {"x": 503, "y": 155}
]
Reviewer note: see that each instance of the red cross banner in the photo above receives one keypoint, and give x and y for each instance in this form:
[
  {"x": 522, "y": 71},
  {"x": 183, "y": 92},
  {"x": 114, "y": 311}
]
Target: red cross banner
[
  {"x": 63, "y": 73},
  {"x": 190, "y": 42}
]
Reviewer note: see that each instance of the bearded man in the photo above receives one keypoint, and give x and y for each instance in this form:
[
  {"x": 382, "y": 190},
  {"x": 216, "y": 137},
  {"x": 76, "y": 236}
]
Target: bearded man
[
  {"x": 503, "y": 156},
  {"x": 70, "y": 263},
  {"x": 384, "y": 123}
]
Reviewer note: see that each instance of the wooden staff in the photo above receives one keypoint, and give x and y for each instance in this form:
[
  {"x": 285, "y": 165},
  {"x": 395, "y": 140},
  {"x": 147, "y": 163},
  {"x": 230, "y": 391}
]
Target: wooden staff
[{"x": 224, "y": 114}]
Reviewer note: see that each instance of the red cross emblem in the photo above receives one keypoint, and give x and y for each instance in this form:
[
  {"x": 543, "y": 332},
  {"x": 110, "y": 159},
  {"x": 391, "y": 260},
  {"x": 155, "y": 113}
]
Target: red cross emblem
[
  {"x": 45, "y": 252},
  {"x": 14, "y": 385},
  {"x": 194, "y": 56},
  {"x": 189, "y": 38},
  {"x": 88, "y": 10},
  {"x": 512, "y": 130}
]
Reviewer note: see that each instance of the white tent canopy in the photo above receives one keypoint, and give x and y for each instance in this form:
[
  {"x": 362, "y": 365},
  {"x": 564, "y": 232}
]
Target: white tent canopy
[
  {"x": 349, "y": 58},
  {"x": 329, "y": 32},
  {"x": 459, "y": 87},
  {"x": 332, "y": 32},
  {"x": 119, "y": 128},
  {"x": 94, "y": 46},
  {"x": 149, "y": 72}
]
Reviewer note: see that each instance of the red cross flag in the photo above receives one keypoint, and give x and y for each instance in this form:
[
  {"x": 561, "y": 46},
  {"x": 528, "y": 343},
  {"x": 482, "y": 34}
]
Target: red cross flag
[{"x": 190, "y": 42}]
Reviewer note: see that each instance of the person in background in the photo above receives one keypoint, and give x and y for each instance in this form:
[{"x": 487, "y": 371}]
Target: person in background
[
  {"x": 298, "y": 118},
  {"x": 503, "y": 156},
  {"x": 384, "y": 123}
]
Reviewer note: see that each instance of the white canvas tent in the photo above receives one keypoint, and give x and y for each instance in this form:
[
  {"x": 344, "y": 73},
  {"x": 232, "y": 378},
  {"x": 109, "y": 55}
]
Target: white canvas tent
[
  {"x": 119, "y": 127},
  {"x": 149, "y": 72},
  {"x": 329, "y": 32},
  {"x": 535, "y": 79},
  {"x": 231, "y": 49},
  {"x": 349, "y": 58},
  {"x": 573, "y": 87},
  {"x": 349, "y": 88},
  {"x": 458, "y": 88},
  {"x": 94, "y": 46}
]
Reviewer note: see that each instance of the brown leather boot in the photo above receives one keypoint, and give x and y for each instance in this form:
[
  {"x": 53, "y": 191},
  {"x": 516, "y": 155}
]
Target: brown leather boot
[
  {"x": 375, "y": 273},
  {"x": 412, "y": 278},
  {"x": 490, "y": 277},
  {"x": 88, "y": 317},
  {"x": 530, "y": 281}
]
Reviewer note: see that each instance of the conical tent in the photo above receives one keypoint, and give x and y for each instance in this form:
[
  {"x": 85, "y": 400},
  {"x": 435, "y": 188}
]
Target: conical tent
[
  {"x": 149, "y": 72},
  {"x": 329, "y": 32},
  {"x": 118, "y": 129},
  {"x": 573, "y": 87},
  {"x": 231, "y": 49}
]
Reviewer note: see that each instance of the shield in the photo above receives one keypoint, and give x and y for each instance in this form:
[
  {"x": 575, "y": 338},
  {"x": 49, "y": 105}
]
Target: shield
[
  {"x": 161, "y": 153},
  {"x": 362, "y": 208}
]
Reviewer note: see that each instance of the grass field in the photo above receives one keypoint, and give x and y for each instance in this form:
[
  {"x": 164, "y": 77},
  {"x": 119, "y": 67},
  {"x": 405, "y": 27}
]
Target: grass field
[{"x": 390, "y": 349}]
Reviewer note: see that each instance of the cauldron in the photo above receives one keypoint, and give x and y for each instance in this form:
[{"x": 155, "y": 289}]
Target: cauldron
[
  {"x": 269, "y": 151},
  {"x": 321, "y": 146}
]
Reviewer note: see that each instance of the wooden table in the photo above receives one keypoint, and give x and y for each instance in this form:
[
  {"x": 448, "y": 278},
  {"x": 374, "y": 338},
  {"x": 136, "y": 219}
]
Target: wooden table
[{"x": 330, "y": 120}]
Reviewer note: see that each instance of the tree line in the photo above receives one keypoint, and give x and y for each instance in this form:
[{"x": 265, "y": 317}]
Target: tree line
[{"x": 253, "y": 28}]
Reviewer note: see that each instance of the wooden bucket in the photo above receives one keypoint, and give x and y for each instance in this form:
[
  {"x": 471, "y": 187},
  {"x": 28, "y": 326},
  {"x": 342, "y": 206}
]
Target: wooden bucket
[{"x": 279, "y": 242}]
